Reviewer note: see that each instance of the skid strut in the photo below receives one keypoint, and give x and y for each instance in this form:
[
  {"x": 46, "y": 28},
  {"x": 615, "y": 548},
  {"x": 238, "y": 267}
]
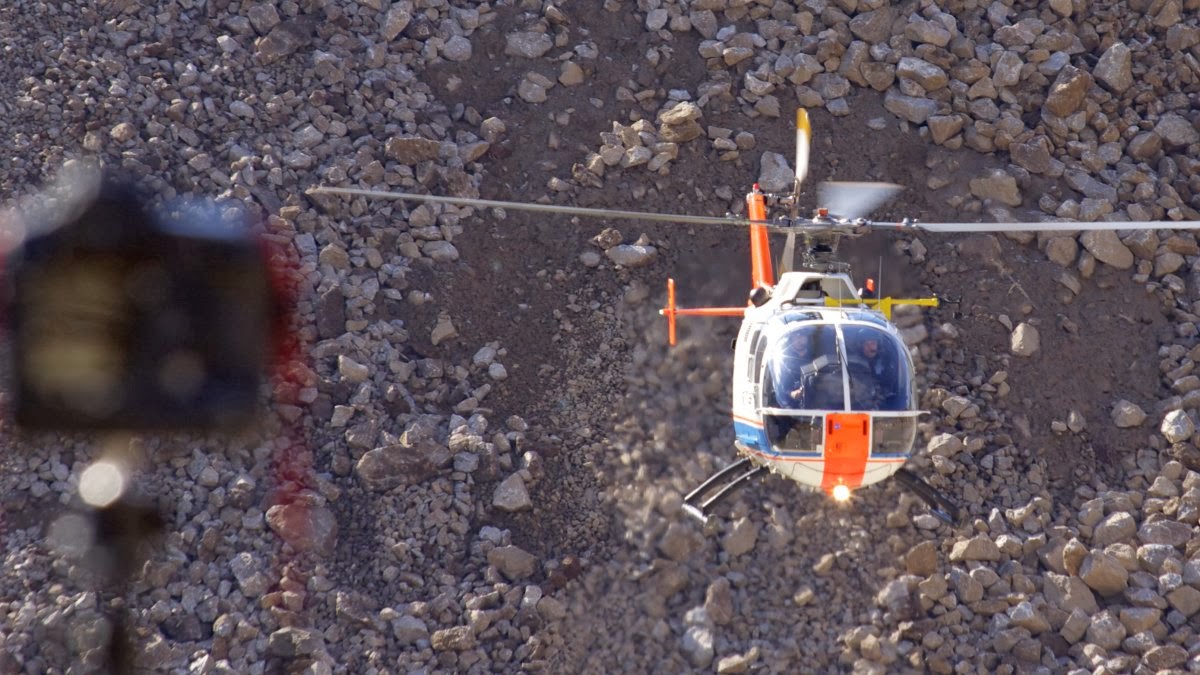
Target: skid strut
[
  {"x": 939, "y": 505},
  {"x": 719, "y": 485}
]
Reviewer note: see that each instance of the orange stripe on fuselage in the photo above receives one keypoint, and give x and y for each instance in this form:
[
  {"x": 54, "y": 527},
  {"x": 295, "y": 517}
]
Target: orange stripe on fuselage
[
  {"x": 761, "y": 273},
  {"x": 847, "y": 445}
]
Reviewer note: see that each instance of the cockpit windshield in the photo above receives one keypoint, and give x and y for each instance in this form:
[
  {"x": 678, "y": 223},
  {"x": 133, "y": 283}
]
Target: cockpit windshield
[
  {"x": 805, "y": 368},
  {"x": 877, "y": 368},
  {"x": 824, "y": 365}
]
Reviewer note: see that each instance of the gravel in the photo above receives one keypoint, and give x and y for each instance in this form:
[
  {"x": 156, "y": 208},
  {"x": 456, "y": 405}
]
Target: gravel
[{"x": 399, "y": 512}]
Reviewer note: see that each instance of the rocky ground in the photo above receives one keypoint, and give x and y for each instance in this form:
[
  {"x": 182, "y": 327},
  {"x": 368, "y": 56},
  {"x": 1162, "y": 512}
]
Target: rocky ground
[{"x": 478, "y": 464}]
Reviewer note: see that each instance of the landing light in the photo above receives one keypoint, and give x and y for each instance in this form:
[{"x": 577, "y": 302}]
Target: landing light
[{"x": 840, "y": 493}]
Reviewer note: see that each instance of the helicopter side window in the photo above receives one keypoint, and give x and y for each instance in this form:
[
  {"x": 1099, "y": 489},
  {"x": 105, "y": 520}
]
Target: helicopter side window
[{"x": 795, "y": 433}]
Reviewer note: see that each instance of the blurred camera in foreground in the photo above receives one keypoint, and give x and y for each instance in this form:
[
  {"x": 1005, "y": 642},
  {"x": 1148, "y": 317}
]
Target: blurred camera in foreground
[{"x": 124, "y": 316}]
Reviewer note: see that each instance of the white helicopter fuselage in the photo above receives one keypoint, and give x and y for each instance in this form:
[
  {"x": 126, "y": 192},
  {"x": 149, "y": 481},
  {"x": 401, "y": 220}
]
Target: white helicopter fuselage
[{"x": 808, "y": 401}]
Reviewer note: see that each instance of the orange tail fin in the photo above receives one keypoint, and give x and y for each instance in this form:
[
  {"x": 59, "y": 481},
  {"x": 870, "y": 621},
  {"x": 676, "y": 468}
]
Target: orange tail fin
[{"x": 761, "y": 273}]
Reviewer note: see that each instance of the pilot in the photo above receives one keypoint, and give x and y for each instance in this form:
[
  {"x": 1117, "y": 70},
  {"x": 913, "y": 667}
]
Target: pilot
[
  {"x": 870, "y": 352},
  {"x": 869, "y": 386},
  {"x": 800, "y": 355},
  {"x": 816, "y": 385}
]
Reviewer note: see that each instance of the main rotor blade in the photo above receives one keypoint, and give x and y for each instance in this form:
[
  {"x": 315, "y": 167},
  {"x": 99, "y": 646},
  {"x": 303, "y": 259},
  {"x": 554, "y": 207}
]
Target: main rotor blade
[
  {"x": 803, "y": 145},
  {"x": 1052, "y": 226},
  {"x": 788, "y": 258},
  {"x": 855, "y": 200},
  {"x": 542, "y": 208}
]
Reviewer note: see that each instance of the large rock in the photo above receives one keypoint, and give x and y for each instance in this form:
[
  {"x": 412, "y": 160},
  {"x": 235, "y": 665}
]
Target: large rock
[
  {"x": 632, "y": 255},
  {"x": 1117, "y": 527},
  {"x": 513, "y": 562},
  {"x": 284, "y": 40},
  {"x": 928, "y": 32},
  {"x": 331, "y": 313},
  {"x": 395, "y": 21},
  {"x": 1138, "y": 619},
  {"x": 1115, "y": 68},
  {"x": 741, "y": 538},
  {"x": 305, "y": 525},
  {"x": 1167, "y": 532},
  {"x": 1144, "y": 146},
  {"x": 527, "y": 44},
  {"x": 247, "y": 569},
  {"x": 681, "y": 113},
  {"x": 1025, "y": 615},
  {"x": 943, "y": 127},
  {"x": 873, "y": 26},
  {"x": 1151, "y": 557},
  {"x": 924, "y": 73},
  {"x": 911, "y": 108},
  {"x": 698, "y": 646},
  {"x": 1106, "y": 631},
  {"x": 1025, "y": 340},
  {"x": 1069, "y": 593},
  {"x": 1073, "y": 555},
  {"x": 1165, "y": 658},
  {"x": 1177, "y": 426},
  {"x": 775, "y": 172},
  {"x": 1007, "y": 71},
  {"x": 511, "y": 495},
  {"x": 680, "y": 133},
  {"x": 1185, "y": 600},
  {"x": 1075, "y": 626},
  {"x": 943, "y": 445},
  {"x": 1176, "y": 132},
  {"x": 409, "y": 629},
  {"x": 718, "y": 602},
  {"x": 1090, "y": 187},
  {"x": 1103, "y": 574},
  {"x": 1062, "y": 250},
  {"x": 412, "y": 150},
  {"x": 263, "y": 17},
  {"x": 1033, "y": 155},
  {"x": 292, "y": 642},
  {"x": 979, "y": 547},
  {"x": 1106, "y": 246},
  {"x": 997, "y": 186},
  {"x": 1126, "y": 414},
  {"x": 1068, "y": 91},
  {"x": 456, "y": 639},
  {"x": 897, "y": 596},
  {"x": 443, "y": 330},
  {"x": 389, "y": 466}
]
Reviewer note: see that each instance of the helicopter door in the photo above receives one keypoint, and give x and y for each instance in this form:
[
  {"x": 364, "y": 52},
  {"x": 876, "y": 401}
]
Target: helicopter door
[{"x": 847, "y": 443}]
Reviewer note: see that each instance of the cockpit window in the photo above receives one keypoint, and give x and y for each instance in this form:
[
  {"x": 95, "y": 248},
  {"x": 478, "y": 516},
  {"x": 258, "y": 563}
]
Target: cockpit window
[
  {"x": 877, "y": 369},
  {"x": 871, "y": 317},
  {"x": 795, "y": 316},
  {"x": 805, "y": 368},
  {"x": 812, "y": 366}
]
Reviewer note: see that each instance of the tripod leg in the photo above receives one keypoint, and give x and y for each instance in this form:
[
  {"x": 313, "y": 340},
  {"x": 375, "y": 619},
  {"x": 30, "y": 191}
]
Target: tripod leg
[
  {"x": 939, "y": 505},
  {"x": 695, "y": 503}
]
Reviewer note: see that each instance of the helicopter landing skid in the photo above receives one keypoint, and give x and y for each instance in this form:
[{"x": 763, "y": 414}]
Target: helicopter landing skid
[
  {"x": 723, "y": 482},
  {"x": 940, "y": 506}
]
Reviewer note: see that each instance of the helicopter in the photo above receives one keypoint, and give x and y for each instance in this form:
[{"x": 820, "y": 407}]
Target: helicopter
[{"x": 824, "y": 388}]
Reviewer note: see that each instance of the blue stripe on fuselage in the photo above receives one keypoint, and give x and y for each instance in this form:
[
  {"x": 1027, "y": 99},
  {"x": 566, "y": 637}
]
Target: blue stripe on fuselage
[{"x": 752, "y": 437}]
